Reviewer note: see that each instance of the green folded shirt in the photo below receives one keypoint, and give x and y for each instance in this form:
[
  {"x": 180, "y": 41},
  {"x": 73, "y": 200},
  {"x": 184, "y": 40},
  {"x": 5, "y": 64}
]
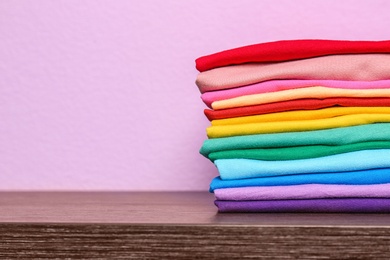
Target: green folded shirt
[
  {"x": 336, "y": 136},
  {"x": 295, "y": 153}
]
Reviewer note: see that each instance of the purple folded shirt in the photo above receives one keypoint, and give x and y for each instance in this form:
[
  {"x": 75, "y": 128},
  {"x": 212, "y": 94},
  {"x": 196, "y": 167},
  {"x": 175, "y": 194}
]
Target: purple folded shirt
[
  {"x": 344, "y": 205},
  {"x": 304, "y": 191}
]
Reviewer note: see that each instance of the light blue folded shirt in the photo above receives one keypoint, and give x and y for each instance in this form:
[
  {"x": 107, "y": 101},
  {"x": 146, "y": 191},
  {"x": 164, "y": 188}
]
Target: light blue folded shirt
[
  {"x": 375, "y": 176},
  {"x": 230, "y": 169}
]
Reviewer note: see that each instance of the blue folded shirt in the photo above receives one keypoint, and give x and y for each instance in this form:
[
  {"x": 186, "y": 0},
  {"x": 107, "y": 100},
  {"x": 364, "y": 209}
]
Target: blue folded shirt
[{"x": 375, "y": 176}]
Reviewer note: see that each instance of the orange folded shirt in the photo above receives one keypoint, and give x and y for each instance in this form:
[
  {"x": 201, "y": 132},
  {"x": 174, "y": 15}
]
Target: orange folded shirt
[{"x": 298, "y": 104}]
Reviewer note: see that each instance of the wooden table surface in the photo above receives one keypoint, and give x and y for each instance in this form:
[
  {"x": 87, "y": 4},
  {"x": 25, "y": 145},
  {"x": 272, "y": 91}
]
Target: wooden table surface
[{"x": 176, "y": 225}]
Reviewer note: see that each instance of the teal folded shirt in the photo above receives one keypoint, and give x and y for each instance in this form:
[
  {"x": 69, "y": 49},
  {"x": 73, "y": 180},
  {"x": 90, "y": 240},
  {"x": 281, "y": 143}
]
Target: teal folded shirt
[
  {"x": 353, "y": 161},
  {"x": 336, "y": 136}
]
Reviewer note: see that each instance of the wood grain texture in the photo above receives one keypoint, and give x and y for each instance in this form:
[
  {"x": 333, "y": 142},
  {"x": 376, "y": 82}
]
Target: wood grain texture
[
  {"x": 191, "y": 242},
  {"x": 176, "y": 225},
  {"x": 153, "y": 208}
]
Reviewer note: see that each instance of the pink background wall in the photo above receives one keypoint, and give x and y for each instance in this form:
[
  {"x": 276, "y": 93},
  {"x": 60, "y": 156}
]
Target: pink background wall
[{"x": 100, "y": 95}]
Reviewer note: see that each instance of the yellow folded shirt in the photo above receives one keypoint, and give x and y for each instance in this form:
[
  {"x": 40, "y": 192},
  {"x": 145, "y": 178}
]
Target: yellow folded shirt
[
  {"x": 295, "y": 126},
  {"x": 292, "y": 94},
  {"x": 302, "y": 115}
]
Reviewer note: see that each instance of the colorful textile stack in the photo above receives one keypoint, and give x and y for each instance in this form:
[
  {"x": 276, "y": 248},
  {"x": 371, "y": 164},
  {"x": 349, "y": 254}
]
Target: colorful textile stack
[{"x": 299, "y": 126}]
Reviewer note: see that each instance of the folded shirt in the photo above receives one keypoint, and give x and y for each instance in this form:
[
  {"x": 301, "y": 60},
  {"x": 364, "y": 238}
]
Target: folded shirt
[
  {"x": 302, "y": 115},
  {"x": 329, "y": 137},
  {"x": 342, "y": 205},
  {"x": 304, "y": 191},
  {"x": 279, "y": 85},
  {"x": 365, "y": 177},
  {"x": 359, "y": 67},
  {"x": 230, "y": 169},
  {"x": 297, "y": 153},
  {"x": 288, "y": 50},
  {"x": 292, "y": 94},
  {"x": 295, "y": 126},
  {"x": 291, "y": 105}
]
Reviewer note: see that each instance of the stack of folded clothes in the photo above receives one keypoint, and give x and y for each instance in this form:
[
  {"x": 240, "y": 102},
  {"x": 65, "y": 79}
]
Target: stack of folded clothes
[{"x": 299, "y": 126}]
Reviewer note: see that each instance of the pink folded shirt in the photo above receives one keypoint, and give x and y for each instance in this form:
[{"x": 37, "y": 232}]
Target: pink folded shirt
[
  {"x": 279, "y": 85},
  {"x": 305, "y": 191},
  {"x": 359, "y": 67}
]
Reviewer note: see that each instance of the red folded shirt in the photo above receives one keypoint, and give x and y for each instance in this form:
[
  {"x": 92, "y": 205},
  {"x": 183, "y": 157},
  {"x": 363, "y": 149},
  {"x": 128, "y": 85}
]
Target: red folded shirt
[
  {"x": 298, "y": 104},
  {"x": 289, "y": 50}
]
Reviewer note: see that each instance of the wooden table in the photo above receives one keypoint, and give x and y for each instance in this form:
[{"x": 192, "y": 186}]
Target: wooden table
[{"x": 176, "y": 225}]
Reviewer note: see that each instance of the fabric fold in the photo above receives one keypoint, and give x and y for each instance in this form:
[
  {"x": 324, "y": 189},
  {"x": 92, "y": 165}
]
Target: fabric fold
[
  {"x": 292, "y": 105},
  {"x": 297, "y": 153},
  {"x": 359, "y": 67},
  {"x": 230, "y": 169},
  {"x": 364, "y": 177},
  {"x": 288, "y": 50},
  {"x": 280, "y": 85},
  {"x": 328, "y": 137},
  {"x": 334, "y": 205},
  {"x": 302, "y": 115},
  {"x": 295, "y": 126},
  {"x": 304, "y": 191},
  {"x": 293, "y": 94}
]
